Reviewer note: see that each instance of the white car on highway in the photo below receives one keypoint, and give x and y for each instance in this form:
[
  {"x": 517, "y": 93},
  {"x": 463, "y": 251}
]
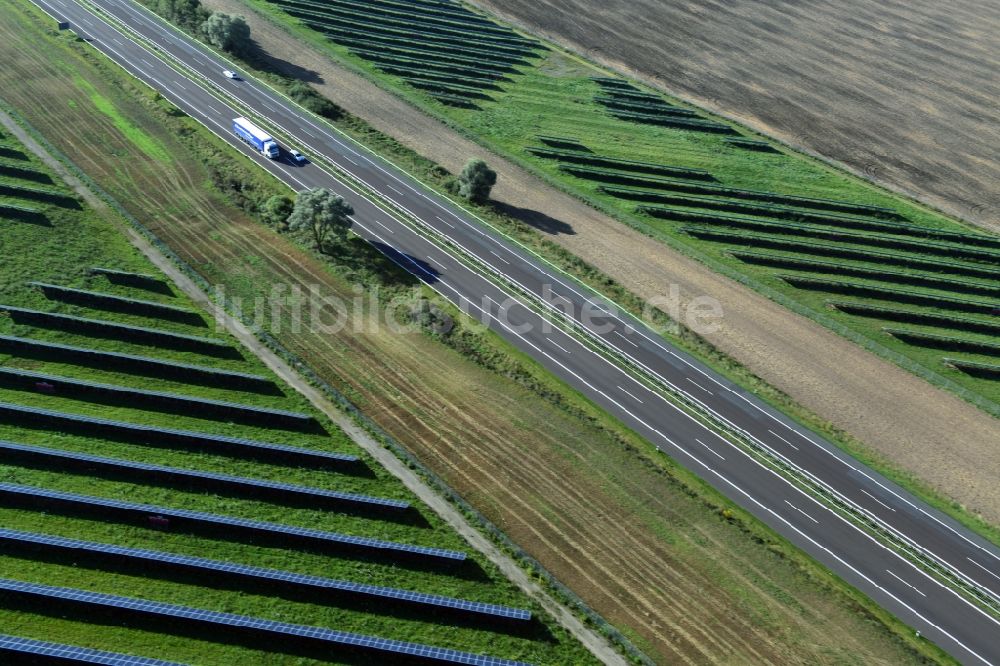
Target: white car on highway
[{"x": 229, "y": 74}]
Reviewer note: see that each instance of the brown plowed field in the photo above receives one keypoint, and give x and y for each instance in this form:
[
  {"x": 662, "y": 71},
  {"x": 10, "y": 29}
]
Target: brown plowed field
[
  {"x": 904, "y": 92},
  {"x": 690, "y": 586}
]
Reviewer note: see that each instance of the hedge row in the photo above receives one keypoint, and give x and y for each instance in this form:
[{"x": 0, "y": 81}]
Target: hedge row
[
  {"x": 754, "y": 195},
  {"x": 978, "y": 370},
  {"x": 834, "y": 235},
  {"x": 12, "y": 153},
  {"x": 751, "y": 144},
  {"x": 432, "y": 45},
  {"x": 915, "y": 317},
  {"x": 890, "y": 294},
  {"x": 381, "y": 58},
  {"x": 841, "y": 251},
  {"x": 661, "y": 109},
  {"x": 35, "y": 194},
  {"x": 673, "y": 121},
  {"x": 876, "y": 274},
  {"x": 136, "y": 280},
  {"x": 111, "y": 303},
  {"x": 470, "y": 41},
  {"x": 946, "y": 342},
  {"x": 24, "y": 173},
  {"x": 169, "y": 403},
  {"x": 23, "y": 213},
  {"x": 137, "y": 365},
  {"x": 109, "y": 330},
  {"x": 827, "y": 219},
  {"x": 404, "y": 23},
  {"x": 590, "y": 159}
]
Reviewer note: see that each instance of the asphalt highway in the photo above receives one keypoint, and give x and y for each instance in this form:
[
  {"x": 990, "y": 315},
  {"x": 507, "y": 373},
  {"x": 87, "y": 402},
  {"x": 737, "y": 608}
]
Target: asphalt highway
[{"x": 185, "y": 72}]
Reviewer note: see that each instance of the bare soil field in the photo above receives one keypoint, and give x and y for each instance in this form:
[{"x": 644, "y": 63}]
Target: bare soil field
[
  {"x": 902, "y": 92},
  {"x": 928, "y": 433},
  {"x": 690, "y": 586}
]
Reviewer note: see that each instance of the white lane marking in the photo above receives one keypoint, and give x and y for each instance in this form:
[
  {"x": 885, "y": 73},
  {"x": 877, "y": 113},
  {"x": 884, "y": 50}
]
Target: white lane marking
[
  {"x": 563, "y": 348},
  {"x": 877, "y": 499},
  {"x": 802, "y": 512},
  {"x": 710, "y": 449},
  {"x": 383, "y": 226},
  {"x": 395, "y": 190},
  {"x": 983, "y": 568},
  {"x": 905, "y": 583},
  {"x": 699, "y": 386},
  {"x": 148, "y": 64},
  {"x": 441, "y": 219},
  {"x": 631, "y": 395},
  {"x": 214, "y": 110},
  {"x": 117, "y": 41},
  {"x": 181, "y": 85},
  {"x": 309, "y": 133},
  {"x": 269, "y": 107},
  {"x": 499, "y": 257},
  {"x": 783, "y": 439},
  {"x": 436, "y": 262},
  {"x": 622, "y": 336},
  {"x": 349, "y": 160}
]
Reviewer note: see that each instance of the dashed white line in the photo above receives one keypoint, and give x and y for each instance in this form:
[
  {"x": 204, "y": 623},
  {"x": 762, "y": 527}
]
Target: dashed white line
[
  {"x": 148, "y": 64},
  {"x": 802, "y": 512},
  {"x": 710, "y": 449},
  {"x": 699, "y": 386},
  {"x": 441, "y": 219},
  {"x": 783, "y": 439},
  {"x": 180, "y": 84},
  {"x": 877, "y": 499},
  {"x": 437, "y": 263},
  {"x": 558, "y": 345},
  {"x": 213, "y": 109},
  {"x": 117, "y": 41},
  {"x": 383, "y": 226},
  {"x": 905, "y": 583},
  {"x": 349, "y": 160},
  {"x": 622, "y": 336},
  {"x": 631, "y": 395},
  {"x": 394, "y": 190},
  {"x": 983, "y": 568},
  {"x": 499, "y": 257}
]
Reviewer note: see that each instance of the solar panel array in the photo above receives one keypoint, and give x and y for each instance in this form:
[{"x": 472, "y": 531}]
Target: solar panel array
[
  {"x": 258, "y": 486},
  {"x": 115, "y": 330},
  {"x": 36, "y": 650},
  {"x": 388, "y": 648},
  {"x": 138, "y": 280},
  {"x": 181, "y": 404},
  {"x": 100, "y": 300},
  {"x": 190, "y": 374},
  {"x": 269, "y": 575},
  {"x": 154, "y": 435},
  {"x": 319, "y": 537}
]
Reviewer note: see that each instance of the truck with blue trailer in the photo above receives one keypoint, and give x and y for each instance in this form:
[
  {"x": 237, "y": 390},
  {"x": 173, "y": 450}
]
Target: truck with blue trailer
[{"x": 256, "y": 137}]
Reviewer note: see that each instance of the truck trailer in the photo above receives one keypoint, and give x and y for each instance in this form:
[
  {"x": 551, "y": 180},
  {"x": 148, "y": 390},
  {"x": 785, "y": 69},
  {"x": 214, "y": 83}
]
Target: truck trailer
[{"x": 256, "y": 137}]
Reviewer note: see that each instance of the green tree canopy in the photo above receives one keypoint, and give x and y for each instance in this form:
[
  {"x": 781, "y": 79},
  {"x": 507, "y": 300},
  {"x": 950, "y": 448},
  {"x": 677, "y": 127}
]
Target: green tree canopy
[
  {"x": 276, "y": 209},
  {"x": 323, "y": 212},
  {"x": 185, "y": 13},
  {"x": 229, "y": 33},
  {"x": 476, "y": 181}
]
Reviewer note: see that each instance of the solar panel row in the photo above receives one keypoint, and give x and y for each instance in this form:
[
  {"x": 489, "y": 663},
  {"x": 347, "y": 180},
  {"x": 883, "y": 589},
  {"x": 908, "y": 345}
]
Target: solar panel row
[
  {"x": 110, "y": 302},
  {"x": 103, "y": 328},
  {"x": 34, "y": 497},
  {"x": 255, "y": 488},
  {"x": 138, "y": 280},
  {"x": 141, "y": 434},
  {"x": 159, "y": 400},
  {"x": 385, "y": 648},
  {"x": 139, "y": 365},
  {"x": 39, "y": 650},
  {"x": 275, "y": 577}
]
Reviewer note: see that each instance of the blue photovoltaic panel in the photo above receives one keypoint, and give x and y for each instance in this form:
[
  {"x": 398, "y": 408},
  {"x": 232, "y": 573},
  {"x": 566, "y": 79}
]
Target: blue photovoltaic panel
[
  {"x": 176, "y": 472},
  {"x": 191, "y": 406},
  {"x": 331, "y": 538},
  {"x": 144, "y": 433},
  {"x": 273, "y": 575},
  {"x": 28, "y": 646},
  {"x": 117, "y": 359},
  {"x": 386, "y": 646}
]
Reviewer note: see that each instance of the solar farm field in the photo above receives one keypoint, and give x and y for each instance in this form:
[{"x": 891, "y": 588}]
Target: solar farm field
[
  {"x": 163, "y": 495},
  {"x": 703, "y": 178}
]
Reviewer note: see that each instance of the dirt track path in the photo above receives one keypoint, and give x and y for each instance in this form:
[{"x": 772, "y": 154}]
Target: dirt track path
[{"x": 927, "y": 432}]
